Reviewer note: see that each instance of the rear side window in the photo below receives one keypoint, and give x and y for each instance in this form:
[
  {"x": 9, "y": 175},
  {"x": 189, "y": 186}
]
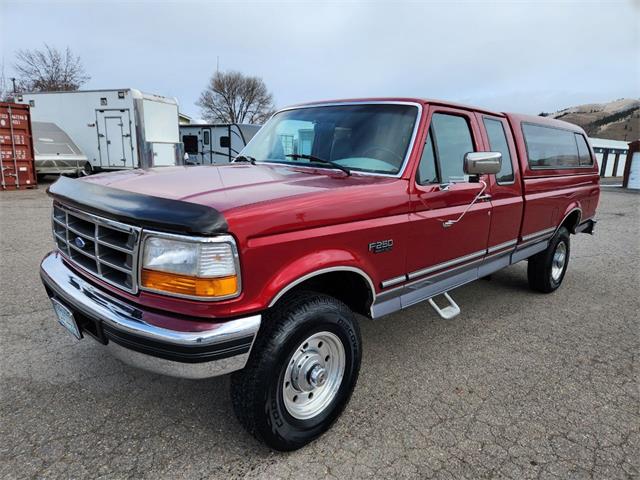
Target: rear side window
[
  {"x": 583, "y": 151},
  {"x": 452, "y": 140},
  {"x": 549, "y": 147},
  {"x": 498, "y": 143}
]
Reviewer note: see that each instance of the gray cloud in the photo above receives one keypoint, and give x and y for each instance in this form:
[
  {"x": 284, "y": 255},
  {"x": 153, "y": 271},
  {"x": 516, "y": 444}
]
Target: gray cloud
[{"x": 524, "y": 56}]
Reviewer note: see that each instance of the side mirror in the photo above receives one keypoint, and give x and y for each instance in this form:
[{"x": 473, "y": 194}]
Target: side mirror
[{"x": 482, "y": 163}]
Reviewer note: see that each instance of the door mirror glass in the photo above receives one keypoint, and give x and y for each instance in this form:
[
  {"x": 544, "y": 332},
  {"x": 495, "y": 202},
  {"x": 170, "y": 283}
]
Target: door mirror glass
[{"x": 482, "y": 163}]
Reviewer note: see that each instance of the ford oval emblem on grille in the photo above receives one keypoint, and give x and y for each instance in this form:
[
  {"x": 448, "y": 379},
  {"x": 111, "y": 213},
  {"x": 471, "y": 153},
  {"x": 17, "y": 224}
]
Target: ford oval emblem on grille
[{"x": 80, "y": 243}]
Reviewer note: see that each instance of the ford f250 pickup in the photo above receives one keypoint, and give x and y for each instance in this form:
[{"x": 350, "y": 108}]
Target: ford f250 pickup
[{"x": 333, "y": 209}]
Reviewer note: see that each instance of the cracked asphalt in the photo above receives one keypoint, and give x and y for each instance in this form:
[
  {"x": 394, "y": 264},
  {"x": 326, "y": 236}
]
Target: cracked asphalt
[{"x": 520, "y": 385}]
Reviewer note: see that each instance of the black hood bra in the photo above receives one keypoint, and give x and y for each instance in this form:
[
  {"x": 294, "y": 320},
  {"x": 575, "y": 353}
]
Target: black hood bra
[{"x": 138, "y": 209}]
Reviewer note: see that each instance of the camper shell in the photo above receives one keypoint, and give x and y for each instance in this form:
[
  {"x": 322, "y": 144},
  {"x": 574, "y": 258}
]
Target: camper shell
[
  {"x": 211, "y": 143},
  {"x": 116, "y": 129}
]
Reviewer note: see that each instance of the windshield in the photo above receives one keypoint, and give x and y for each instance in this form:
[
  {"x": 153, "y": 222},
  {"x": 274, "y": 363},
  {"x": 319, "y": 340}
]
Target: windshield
[{"x": 365, "y": 137}]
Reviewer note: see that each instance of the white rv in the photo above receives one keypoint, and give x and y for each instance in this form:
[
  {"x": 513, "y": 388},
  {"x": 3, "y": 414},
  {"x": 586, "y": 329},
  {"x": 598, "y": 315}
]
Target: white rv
[
  {"x": 206, "y": 144},
  {"x": 115, "y": 129}
]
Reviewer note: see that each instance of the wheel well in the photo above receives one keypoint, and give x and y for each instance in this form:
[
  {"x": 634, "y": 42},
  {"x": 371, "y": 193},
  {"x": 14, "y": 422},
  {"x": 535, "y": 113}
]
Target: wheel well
[
  {"x": 571, "y": 221},
  {"x": 351, "y": 288}
]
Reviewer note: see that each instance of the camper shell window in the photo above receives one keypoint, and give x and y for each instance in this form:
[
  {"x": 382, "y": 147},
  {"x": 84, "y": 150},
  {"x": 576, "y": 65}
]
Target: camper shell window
[{"x": 550, "y": 147}]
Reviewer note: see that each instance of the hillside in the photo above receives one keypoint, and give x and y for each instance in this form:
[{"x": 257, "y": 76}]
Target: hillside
[{"x": 617, "y": 120}]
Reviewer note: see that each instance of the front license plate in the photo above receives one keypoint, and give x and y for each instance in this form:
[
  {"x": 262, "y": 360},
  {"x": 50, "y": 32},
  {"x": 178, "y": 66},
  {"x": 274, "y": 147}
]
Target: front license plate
[{"x": 65, "y": 318}]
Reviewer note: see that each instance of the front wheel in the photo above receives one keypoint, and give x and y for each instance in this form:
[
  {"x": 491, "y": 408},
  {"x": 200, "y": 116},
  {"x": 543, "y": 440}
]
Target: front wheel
[
  {"x": 301, "y": 373},
  {"x": 546, "y": 269}
]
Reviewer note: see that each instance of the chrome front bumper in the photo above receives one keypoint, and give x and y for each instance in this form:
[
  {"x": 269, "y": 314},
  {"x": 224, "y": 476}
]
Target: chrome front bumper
[{"x": 153, "y": 341}]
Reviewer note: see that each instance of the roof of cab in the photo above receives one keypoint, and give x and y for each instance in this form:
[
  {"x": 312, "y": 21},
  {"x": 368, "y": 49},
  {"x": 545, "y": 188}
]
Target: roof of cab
[
  {"x": 513, "y": 117},
  {"x": 551, "y": 122},
  {"x": 421, "y": 101}
]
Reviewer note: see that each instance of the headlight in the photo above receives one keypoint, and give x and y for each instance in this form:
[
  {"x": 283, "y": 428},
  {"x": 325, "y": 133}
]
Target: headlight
[{"x": 190, "y": 267}]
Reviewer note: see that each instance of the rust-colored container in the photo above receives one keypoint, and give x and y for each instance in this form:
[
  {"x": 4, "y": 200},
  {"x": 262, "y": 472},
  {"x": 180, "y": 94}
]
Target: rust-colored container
[{"x": 16, "y": 148}]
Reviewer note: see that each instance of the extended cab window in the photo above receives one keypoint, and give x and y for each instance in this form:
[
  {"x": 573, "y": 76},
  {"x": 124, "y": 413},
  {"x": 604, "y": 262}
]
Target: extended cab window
[
  {"x": 452, "y": 140},
  {"x": 549, "y": 147},
  {"x": 583, "y": 151},
  {"x": 498, "y": 143}
]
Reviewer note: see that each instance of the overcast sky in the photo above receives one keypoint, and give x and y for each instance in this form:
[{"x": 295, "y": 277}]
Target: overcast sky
[{"x": 507, "y": 55}]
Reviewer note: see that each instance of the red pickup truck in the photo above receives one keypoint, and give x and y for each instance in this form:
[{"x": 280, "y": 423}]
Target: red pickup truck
[{"x": 259, "y": 267}]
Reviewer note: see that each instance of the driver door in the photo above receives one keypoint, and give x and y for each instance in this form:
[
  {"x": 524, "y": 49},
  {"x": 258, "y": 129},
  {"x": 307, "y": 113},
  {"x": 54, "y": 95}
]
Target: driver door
[{"x": 442, "y": 192}]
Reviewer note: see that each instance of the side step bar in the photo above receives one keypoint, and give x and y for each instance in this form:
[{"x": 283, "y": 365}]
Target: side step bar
[
  {"x": 450, "y": 311},
  {"x": 587, "y": 226}
]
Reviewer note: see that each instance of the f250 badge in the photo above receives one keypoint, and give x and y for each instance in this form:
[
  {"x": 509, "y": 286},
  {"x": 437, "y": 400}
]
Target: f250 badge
[{"x": 381, "y": 246}]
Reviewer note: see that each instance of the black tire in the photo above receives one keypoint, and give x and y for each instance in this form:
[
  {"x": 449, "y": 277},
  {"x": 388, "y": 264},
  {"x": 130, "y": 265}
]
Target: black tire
[
  {"x": 86, "y": 170},
  {"x": 540, "y": 270},
  {"x": 257, "y": 390}
]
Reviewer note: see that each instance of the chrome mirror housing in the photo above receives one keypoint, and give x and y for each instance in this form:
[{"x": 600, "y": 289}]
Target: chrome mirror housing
[{"x": 482, "y": 163}]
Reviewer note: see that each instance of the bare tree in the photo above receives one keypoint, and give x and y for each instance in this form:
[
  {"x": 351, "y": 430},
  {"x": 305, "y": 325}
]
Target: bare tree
[
  {"x": 49, "y": 69},
  {"x": 5, "y": 93},
  {"x": 232, "y": 97}
]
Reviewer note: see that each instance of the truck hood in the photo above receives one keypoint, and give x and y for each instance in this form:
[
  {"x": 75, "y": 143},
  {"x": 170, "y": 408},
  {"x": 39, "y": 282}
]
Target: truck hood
[{"x": 229, "y": 187}]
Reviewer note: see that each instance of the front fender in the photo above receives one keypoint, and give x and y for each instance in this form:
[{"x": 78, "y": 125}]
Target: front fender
[{"x": 309, "y": 266}]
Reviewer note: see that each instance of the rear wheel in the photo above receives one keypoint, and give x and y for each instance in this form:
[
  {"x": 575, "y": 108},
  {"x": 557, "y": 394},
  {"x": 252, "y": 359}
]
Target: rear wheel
[
  {"x": 86, "y": 170},
  {"x": 546, "y": 269},
  {"x": 301, "y": 373}
]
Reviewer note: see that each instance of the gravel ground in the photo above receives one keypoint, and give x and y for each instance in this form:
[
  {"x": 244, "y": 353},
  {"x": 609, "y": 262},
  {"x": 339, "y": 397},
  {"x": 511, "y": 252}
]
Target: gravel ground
[{"x": 520, "y": 385}]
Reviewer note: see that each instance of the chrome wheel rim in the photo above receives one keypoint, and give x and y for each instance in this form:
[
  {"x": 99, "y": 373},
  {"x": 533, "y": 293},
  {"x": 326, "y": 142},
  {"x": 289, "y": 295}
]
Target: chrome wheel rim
[
  {"x": 313, "y": 375},
  {"x": 559, "y": 260}
]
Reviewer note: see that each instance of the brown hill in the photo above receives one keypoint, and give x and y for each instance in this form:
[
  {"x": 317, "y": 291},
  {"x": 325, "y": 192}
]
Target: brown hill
[{"x": 617, "y": 120}]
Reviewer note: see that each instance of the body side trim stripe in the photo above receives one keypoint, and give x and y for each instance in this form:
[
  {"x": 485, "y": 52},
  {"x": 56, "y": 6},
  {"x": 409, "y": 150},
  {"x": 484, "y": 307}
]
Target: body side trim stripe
[
  {"x": 449, "y": 263},
  {"x": 393, "y": 281},
  {"x": 500, "y": 246},
  {"x": 539, "y": 233}
]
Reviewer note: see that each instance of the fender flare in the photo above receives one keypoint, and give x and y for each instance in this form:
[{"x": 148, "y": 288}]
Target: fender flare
[
  {"x": 575, "y": 208},
  {"x": 339, "y": 263}
]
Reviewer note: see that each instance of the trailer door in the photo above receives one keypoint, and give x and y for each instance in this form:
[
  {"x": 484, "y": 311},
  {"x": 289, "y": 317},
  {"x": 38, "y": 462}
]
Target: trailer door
[{"x": 114, "y": 136}]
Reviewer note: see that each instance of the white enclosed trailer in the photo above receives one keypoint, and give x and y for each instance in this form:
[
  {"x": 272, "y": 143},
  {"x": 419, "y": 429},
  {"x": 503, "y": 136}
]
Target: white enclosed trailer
[
  {"x": 210, "y": 143},
  {"x": 115, "y": 129}
]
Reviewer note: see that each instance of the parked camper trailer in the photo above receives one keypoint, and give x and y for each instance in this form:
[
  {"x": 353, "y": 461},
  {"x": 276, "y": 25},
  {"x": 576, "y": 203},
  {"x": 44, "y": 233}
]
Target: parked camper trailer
[
  {"x": 115, "y": 129},
  {"x": 206, "y": 144}
]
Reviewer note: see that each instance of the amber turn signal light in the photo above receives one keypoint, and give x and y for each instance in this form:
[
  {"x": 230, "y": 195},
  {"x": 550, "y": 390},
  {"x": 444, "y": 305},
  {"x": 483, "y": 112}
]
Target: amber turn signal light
[{"x": 191, "y": 286}]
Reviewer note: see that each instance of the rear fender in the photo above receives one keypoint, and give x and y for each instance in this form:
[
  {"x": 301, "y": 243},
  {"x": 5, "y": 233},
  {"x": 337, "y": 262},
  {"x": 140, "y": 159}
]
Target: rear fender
[{"x": 573, "y": 209}]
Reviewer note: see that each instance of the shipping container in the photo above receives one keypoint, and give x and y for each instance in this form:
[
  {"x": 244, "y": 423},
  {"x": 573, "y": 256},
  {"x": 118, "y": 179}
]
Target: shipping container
[
  {"x": 115, "y": 129},
  {"x": 206, "y": 144},
  {"x": 16, "y": 147}
]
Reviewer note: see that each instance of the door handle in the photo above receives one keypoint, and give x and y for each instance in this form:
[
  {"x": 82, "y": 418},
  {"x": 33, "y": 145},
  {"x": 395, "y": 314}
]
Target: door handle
[{"x": 484, "y": 197}]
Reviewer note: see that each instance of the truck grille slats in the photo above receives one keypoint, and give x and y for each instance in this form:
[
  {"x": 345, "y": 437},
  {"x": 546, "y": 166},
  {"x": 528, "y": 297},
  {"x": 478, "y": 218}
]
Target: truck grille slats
[{"x": 105, "y": 248}]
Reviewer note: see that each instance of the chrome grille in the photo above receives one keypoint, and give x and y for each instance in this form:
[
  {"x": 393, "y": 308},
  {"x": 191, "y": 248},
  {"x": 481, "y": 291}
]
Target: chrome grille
[{"x": 103, "y": 247}]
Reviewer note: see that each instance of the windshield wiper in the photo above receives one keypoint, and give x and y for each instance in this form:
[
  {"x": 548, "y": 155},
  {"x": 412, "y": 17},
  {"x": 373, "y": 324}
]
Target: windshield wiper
[
  {"x": 313, "y": 158},
  {"x": 245, "y": 158}
]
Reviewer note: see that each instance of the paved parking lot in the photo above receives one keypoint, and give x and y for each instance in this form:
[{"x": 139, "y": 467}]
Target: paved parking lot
[{"x": 520, "y": 385}]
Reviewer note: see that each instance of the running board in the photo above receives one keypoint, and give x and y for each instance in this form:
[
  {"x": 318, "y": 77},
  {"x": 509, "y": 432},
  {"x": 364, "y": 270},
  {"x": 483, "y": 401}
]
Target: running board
[{"x": 450, "y": 311}]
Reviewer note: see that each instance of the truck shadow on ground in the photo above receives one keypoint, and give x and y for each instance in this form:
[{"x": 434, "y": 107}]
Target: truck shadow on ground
[{"x": 203, "y": 408}]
